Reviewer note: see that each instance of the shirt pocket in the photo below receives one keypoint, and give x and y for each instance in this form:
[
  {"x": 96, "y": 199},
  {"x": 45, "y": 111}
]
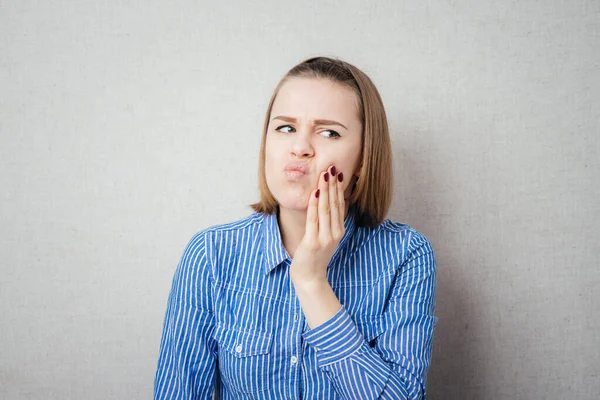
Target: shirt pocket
[{"x": 244, "y": 358}]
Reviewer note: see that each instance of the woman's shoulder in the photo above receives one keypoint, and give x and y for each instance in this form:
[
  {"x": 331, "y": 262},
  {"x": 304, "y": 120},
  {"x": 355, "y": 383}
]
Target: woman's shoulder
[
  {"x": 402, "y": 236},
  {"x": 249, "y": 221},
  {"x": 205, "y": 238}
]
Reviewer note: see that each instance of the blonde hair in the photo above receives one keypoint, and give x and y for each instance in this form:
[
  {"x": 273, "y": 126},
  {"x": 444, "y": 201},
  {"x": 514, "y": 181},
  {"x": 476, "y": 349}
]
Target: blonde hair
[{"x": 372, "y": 193}]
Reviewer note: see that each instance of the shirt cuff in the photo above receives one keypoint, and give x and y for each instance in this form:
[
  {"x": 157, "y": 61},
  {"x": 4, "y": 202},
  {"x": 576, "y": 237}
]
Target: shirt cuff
[{"x": 335, "y": 339}]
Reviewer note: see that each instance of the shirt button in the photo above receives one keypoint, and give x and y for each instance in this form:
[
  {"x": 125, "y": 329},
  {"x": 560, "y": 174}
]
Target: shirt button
[
  {"x": 294, "y": 360},
  {"x": 238, "y": 348},
  {"x": 295, "y": 317}
]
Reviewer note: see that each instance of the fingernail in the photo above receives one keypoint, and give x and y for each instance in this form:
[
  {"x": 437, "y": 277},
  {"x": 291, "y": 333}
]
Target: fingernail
[
  {"x": 326, "y": 177},
  {"x": 341, "y": 176},
  {"x": 317, "y": 193},
  {"x": 333, "y": 170}
]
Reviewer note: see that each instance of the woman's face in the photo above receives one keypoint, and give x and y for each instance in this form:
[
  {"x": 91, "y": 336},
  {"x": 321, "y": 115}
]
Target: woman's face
[{"x": 314, "y": 124}]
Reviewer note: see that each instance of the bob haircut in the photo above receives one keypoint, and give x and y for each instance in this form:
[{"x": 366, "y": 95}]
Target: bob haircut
[{"x": 372, "y": 193}]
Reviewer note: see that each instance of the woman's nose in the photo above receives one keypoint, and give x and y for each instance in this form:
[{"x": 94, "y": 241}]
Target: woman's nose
[{"x": 302, "y": 146}]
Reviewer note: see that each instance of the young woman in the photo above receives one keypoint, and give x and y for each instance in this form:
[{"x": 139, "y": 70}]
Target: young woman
[{"x": 314, "y": 295}]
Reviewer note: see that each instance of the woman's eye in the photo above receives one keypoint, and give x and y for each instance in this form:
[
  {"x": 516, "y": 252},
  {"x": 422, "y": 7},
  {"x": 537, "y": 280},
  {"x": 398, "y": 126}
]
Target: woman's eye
[
  {"x": 333, "y": 135},
  {"x": 284, "y": 126}
]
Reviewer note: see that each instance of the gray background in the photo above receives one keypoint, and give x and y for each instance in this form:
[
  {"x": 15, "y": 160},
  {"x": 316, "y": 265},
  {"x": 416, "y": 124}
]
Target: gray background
[{"x": 127, "y": 126}]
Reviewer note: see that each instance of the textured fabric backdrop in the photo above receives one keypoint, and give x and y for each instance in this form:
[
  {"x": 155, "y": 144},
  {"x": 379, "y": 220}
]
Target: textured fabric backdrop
[{"x": 125, "y": 127}]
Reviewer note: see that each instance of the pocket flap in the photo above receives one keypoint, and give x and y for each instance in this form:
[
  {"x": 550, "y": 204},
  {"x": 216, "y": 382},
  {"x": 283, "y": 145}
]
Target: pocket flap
[{"x": 243, "y": 343}]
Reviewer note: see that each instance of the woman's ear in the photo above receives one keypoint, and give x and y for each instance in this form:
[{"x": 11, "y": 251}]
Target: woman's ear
[
  {"x": 357, "y": 174},
  {"x": 358, "y": 169}
]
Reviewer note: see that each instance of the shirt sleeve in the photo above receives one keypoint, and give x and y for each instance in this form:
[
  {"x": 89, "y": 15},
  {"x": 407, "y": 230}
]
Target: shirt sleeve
[
  {"x": 396, "y": 367},
  {"x": 187, "y": 356}
]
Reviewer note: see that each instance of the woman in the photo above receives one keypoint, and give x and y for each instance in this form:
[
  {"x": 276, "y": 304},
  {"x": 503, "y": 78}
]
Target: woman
[{"x": 314, "y": 295}]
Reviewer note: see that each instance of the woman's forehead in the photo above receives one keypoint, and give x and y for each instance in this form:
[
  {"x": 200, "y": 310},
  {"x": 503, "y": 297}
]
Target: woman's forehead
[{"x": 313, "y": 98}]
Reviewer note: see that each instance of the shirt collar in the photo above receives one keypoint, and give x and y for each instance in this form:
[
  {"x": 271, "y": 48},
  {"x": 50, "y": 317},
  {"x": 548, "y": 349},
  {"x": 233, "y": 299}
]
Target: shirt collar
[{"x": 273, "y": 248}]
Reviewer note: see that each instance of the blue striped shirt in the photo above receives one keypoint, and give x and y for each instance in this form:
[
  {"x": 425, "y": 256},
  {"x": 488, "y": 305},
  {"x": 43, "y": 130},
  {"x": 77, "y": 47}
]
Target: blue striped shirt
[{"x": 234, "y": 325}]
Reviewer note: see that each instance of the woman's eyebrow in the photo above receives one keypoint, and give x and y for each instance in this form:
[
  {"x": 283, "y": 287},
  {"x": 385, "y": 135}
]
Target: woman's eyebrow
[{"x": 316, "y": 121}]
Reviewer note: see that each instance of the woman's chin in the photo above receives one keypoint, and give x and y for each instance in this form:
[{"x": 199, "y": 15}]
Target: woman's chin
[{"x": 296, "y": 204}]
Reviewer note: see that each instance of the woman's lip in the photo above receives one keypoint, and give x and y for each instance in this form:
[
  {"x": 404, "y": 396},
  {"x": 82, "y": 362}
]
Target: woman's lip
[
  {"x": 294, "y": 173},
  {"x": 296, "y": 166},
  {"x": 295, "y": 169}
]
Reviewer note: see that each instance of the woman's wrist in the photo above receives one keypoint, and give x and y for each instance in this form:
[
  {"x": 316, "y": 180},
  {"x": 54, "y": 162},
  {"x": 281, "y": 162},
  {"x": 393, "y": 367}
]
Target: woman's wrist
[
  {"x": 317, "y": 299},
  {"x": 308, "y": 284}
]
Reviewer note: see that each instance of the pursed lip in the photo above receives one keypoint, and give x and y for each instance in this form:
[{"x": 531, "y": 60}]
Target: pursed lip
[{"x": 296, "y": 166}]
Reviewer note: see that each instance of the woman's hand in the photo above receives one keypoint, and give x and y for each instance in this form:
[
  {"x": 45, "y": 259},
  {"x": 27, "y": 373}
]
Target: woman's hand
[{"x": 324, "y": 230}]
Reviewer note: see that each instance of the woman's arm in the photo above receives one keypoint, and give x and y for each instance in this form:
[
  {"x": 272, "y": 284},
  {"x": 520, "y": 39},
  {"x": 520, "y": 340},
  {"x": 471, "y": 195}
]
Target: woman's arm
[
  {"x": 396, "y": 367},
  {"x": 186, "y": 362}
]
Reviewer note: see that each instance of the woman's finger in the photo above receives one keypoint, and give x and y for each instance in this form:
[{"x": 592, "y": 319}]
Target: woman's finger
[
  {"x": 324, "y": 208},
  {"x": 341, "y": 200},
  {"x": 312, "y": 216},
  {"x": 334, "y": 206}
]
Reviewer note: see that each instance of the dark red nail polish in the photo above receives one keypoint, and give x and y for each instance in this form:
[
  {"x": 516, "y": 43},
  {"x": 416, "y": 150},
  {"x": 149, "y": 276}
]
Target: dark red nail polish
[
  {"x": 341, "y": 176},
  {"x": 333, "y": 171},
  {"x": 326, "y": 177},
  {"x": 317, "y": 193}
]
